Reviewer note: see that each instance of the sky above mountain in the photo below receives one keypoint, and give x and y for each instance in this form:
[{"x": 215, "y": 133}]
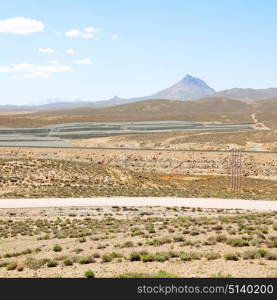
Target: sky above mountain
[{"x": 92, "y": 50}]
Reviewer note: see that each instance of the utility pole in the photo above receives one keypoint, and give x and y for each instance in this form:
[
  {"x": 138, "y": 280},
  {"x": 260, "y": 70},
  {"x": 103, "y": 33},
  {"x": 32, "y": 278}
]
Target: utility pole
[{"x": 235, "y": 165}]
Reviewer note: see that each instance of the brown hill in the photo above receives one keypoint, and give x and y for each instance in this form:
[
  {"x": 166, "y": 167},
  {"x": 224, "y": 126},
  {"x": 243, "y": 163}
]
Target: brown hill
[
  {"x": 161, "y": 107},
  {"x": 267, "y": 105},
  {"x": 206, "y": 110}
]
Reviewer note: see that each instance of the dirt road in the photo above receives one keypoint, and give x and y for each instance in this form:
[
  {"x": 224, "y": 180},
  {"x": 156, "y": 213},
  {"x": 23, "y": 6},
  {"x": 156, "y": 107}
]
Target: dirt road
[{"x": 139, "y": 201}]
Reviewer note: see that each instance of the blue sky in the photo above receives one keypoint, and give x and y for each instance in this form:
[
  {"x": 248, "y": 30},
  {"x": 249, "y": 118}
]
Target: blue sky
[{"x": 133, "y": 48}]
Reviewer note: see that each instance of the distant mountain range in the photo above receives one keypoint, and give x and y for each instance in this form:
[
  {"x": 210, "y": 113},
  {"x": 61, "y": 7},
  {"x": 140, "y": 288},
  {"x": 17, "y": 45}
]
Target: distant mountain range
[
  {"x": 189, "y": 88},
  {"x": 248, "y": 94}
]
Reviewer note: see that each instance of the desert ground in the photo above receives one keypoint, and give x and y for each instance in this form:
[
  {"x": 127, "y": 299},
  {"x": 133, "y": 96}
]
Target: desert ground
[
  {"x": 137, "y": 242},
  {"x": 63, "y": 173},
  {"x": 256, "y": 140}
]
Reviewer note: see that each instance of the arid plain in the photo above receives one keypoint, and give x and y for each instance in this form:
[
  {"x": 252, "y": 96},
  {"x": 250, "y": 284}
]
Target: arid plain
[{"x": 142, "y": 241}]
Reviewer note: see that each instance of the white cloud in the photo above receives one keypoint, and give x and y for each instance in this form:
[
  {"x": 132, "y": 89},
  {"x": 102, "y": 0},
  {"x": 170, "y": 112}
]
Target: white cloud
[
  {"x": 21, "y": 25},
  {"x": 70, "y": 51},
  {"x": 115, "y": 37},
  {"x": 54, "y": 62},
  {"x": 46, "y": 50},
  {"x": 26, "y": 70},
  {"x": 86, "y": 33},
  {"x": 91, "y": 29},
  {"x": 85, "y": 61}
]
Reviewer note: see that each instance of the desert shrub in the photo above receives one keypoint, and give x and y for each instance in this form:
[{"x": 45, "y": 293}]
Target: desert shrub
[
  {"x": 221, "y": 238},
  {"x": 188, "y": 256},
  {"x": 89, "y": 274},
  {"x": 271, "y": 256},
  {"x": 159, "y": 242},
  {"x": 106, "y": 258},
  {"x": 68, "y": 262},
  {"x": 272, "y": 242},
  {"x": 210, "y": 241},
  {"x": 274, "y": 226},
  {"x": 178, "y": 239},
  {"x": 57, "y": 248},
  {"x": 3, "y": 264},
  {"x": 264, "y": 230},
  {"x": 127, "y": 244},
  {"x": 86, "y": 260},
  {"x": 232, "y": 256},
  {"x": 78, "y": 250},
  {"x": 161, "y": 257},
  {"x": 150, "y": 229},
  {"x": 262, "y": 252},
  {"x": 101, "y": 246},
  {"x": 212, "y": 255},
  {"x": 256, "y": 242},
  {"x": 135, "y": 256},
  {"x": 11, "y": 266},
  {"x": 44, "y": 237},
  {"x": 52, "y": 263},
  {"x": 35, "y": 264},
  {"x": 194, "y": 232},
  {"x": 148, "y": 258},
  {"x": 163, "y": 274},
  {"x": 160, "y": 274},
  {"x": 217, "y": 227},
  {"x": 251, "y": 254},
  {"x": 236, "y": 242},
  {"x": 96, "y": 255},
  {"x": 173, "y": 254},
  {"x": 116, "y": 255}
]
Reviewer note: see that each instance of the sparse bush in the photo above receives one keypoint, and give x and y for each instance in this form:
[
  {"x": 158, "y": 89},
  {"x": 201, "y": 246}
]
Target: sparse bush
[
  {"x": 232, "y": 256},
  {"x": 68, "y": 262},
  {"x": 148, "y": 258},
  {"x": 173, "y": 254},
  {"x": 52, "y": 263},
  {"x": 221, "y": 238},
  {"x": 35, "y": 264},
  {"x": 57, "y": 248},
  {"x": 106, "y": 258},
  {"x": 160, "y": 274},
  {"x": 212, "y": 255},
  {"x": 127, "y": 244},
  {"x": 135, "y": 256},
  {"x": 271, "y": 256},
  {"x": 237, "y": 242},
  {"x": 11, "y": 266},
  {"x": 96, "y": 255},
  {"x": 251, "y": 254},
  {"x": 89, "y": 274},
  {"x": 178, "y": 239},
  {"x": 210, "y": 241},
  {"x": 161, "y": 257},
  {"x": 188, "y": 256},
  {"x": 272, "y": 243},
  {"x": 86, "y": 260}
]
